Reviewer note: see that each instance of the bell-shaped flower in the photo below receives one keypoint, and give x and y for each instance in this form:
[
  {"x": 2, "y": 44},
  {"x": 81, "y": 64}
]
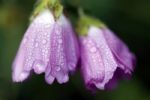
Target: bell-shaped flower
[
  {"x": 49, "y": 46},
  {"x": 102, "y": 55}
]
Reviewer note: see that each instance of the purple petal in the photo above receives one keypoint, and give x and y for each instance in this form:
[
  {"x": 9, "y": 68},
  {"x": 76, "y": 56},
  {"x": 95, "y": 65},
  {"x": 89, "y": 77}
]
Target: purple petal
[
  {"x": 63, "y": 57},
  {"x": 119, "y": 74},
  {"x": 57, "y": 57},
  {"x": 125, "y": 59},
  {"x": 92, "y": 63},
  {"x": 34, "y": 49},
  {"x": 71, "y": 44},
  {"x": 113, "y": 54},
  {"x": 18, "y": 73},
  {"x": 107, "y": 58}
]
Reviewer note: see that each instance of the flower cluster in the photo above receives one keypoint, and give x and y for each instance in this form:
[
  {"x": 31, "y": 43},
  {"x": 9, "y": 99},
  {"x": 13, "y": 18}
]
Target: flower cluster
[{"x": 51, "y": 46}]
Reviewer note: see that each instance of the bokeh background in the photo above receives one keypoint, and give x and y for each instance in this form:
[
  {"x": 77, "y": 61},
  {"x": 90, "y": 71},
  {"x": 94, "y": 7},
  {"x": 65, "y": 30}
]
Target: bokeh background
[{"x": 129, "y": 19}]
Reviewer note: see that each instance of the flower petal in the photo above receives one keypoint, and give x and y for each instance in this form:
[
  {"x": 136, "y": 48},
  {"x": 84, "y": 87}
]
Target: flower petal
[
  {"x": 92, "y": 63},
  {"x": 109, "y": 63},
  {"x": 124, "y": 57},
  {"x": 71, "y": 44},
  {"x": 64, "y": 51},
  {"x": 57, "y": 62},
  {"x": 18, "y": 73},
  {"x": 30, "y": 54}
]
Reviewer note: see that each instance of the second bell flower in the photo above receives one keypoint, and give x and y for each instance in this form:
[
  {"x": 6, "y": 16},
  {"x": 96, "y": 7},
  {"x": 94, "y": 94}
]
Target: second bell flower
[{"x": 102, "y": 54}]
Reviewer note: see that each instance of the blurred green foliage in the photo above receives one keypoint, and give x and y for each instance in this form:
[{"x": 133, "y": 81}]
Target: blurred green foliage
[{"x": 129, "y": 19}]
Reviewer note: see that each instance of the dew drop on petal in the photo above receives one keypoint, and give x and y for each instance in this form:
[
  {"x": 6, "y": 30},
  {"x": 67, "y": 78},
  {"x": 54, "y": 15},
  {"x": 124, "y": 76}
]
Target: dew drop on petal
[
  {"x": 48, "y": 35},
  {"x": 39, "y": 67},
  {"x": 45, "y": 33},
  {"x": 59, "y": 41},
  {"x": 57, "y": 68},
  {"x": 32, "y": 40},
  {"x": 57, "y": 32},
  {"x": 44, "y": 41},
  {"x": 36, "y": 44},
  {"x": 43, "y": 50},
  {"x": 71, "y": 65},
  {"x": 62, "y": 64},
  {"x": 46, "y": 51},
  {"x": 93, "y": 50}
]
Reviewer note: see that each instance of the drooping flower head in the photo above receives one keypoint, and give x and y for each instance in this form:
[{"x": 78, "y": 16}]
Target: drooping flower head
[
  {"x": 49, "y": 45},
  {"x": 102, "y": 54}
]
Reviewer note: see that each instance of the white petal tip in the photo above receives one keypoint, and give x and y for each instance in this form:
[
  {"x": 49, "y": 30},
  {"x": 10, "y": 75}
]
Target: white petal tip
[
  {"x": 49, "y": 79},
  {"x": 21, "y": 77},
  {"x": 63, "y": 80}
]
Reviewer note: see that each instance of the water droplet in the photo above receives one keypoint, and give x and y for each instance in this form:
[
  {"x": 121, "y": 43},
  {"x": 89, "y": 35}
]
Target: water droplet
[
  {"x": 39, "y": 67},
  {"x": 58, "y": 32},
  {"x": 32, "y": 40},
  {"x": 46, "y": 51},
  {"x": 62, "y": 64},
  {"x": 60, "y": 41},
  {"x": 59, "y": 46},
  {"x": 45, "y": 33},
  {"x": 30, "y": 54},
  {"x": 94, "y": 60},
  {"x": 71, "y": 65},
  {"x": 44, "y": 41},
  {"x": 43, "y": 50},
  {"x": 38, "y": 64},
  {"x": 29, "y": 58},
  {"x": 93, "y": 49},
  {"x": 36, "y": 44},
  {"x": 57, "y": 68},
  {"x": 48, "y": 35}
]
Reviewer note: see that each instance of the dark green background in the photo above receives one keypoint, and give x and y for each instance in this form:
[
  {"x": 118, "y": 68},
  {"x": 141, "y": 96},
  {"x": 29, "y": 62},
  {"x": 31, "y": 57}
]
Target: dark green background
[{"x": 129, "y": 19}]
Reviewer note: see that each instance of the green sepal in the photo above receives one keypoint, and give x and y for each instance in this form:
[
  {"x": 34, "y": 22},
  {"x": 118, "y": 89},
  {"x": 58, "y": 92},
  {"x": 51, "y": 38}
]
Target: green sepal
[
  {"x": 57, "y": 10},
  {"x": 53, "y": 5},
  {"x": 85, "y": 22}
]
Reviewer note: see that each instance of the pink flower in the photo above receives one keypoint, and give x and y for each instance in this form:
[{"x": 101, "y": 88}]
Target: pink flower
[
  {"x": 102, "y": 54},
  {"x": 49, "y": 46}
]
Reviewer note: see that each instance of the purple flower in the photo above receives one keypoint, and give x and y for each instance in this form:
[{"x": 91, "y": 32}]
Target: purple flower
[
  {"x": 49, "y": 46},
  {"x": 102, "y": 54}
]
